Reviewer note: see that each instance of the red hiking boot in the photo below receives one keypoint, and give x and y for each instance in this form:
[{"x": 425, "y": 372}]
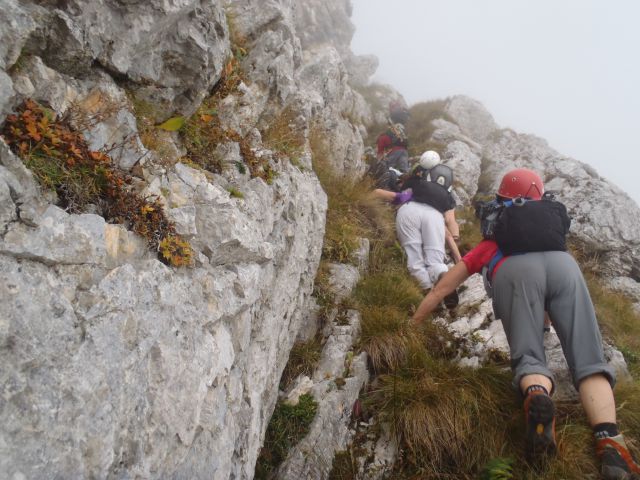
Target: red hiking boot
[
  {"x": 540, "y": 415},
  {"x": 617, "y": 462}
]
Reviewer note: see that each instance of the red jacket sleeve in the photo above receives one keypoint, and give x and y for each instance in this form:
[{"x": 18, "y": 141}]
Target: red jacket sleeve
[
  {"x": 383, "y": 143},
  {"x": 480, "y": 256}
]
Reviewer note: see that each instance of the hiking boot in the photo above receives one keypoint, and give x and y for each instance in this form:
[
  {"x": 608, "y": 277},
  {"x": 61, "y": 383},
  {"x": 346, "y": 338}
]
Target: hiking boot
[
  {"x": 540, "y": 414},
  {"x": 617, "y": 462},
  {"x": 450, "y": 301}
]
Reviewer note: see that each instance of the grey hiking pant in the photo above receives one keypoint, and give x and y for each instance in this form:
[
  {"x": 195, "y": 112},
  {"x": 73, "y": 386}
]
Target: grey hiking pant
[{"x": 524, "y": 286}]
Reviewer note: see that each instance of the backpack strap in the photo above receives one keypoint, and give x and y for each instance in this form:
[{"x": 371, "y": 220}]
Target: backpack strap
[{"x": 492, "y": 264}]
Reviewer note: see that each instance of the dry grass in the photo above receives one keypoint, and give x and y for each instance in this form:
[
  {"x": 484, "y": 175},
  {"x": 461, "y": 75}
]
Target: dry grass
[
  {"x": 303, "y": 359},
  {"x": 204, "y": 131},
  {"x": 152, "y": 138},
  {"x": 322, "y": 291},
  {"x": 618, "y": 320},
  {"x": 353, "y": 211},
  {"x": 386, "y": 337},
  {"x": 615, "y": 311},
  {"x": 344, "y": 466},
  {"x": 449, "y": 420},
  {"x": 470, "y": 234},
  {"x": 285, "y": 135},
  {"x": 419, "y": 126}
]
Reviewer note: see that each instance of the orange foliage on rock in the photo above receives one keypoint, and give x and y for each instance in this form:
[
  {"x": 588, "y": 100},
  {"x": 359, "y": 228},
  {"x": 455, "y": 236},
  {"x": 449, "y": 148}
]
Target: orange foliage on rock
[{"x": 61, "y": 160}]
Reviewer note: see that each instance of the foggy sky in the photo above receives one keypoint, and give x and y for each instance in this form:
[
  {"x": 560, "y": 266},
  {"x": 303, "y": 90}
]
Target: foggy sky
[{"x": 565, "y": 70}]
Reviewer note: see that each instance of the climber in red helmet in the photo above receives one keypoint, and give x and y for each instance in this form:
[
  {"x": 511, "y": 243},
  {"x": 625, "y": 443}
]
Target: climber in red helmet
[{"x": 527, "y": 271}]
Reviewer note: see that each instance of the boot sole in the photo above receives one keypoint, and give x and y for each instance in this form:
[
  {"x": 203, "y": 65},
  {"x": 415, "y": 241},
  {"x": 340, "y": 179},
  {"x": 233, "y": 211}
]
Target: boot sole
[{"x": 541, "y": 443}]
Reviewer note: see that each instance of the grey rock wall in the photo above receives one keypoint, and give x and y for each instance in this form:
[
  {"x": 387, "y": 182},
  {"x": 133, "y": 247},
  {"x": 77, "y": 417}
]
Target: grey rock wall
[{"x": 114, "y": 365}]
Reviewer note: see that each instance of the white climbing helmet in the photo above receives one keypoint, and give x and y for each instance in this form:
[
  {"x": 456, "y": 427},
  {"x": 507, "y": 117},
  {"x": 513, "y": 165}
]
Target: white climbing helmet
[{"x": 429, "y": 159}]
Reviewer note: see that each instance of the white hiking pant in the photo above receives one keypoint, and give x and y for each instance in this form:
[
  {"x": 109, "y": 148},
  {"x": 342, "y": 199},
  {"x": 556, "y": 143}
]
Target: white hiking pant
[{"x": 420, "y": 229}]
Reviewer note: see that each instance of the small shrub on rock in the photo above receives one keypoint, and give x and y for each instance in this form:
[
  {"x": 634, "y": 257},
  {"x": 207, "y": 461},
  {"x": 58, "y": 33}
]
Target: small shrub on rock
[{"x": 61, "y": 160}]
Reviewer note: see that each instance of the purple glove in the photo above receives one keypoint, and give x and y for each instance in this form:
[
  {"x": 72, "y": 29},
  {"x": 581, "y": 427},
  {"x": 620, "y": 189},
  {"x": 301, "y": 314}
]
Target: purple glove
[{"x": 402, "y": 197}]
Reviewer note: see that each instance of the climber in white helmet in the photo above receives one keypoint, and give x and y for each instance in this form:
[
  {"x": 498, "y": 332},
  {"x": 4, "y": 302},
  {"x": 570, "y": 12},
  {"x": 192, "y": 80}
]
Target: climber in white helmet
[{"x": 426, "y": 220}]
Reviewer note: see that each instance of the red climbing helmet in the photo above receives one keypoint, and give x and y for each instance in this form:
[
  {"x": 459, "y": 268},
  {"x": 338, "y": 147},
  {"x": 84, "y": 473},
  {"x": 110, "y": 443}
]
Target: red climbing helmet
[{"x": 521, "y": 182}]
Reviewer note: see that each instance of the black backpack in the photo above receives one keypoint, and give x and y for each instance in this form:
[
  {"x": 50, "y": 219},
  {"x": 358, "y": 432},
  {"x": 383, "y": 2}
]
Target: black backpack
[
  {"x": 433, "y": 188},
  {"x": 522, "y": 226},
  {"x": 441, "y": 175}
]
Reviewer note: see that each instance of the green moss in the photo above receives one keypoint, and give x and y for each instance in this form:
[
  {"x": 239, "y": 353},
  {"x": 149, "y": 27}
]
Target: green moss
[
  {"x": 288, "y": 425},
  {"x": 235, "y": 193}
]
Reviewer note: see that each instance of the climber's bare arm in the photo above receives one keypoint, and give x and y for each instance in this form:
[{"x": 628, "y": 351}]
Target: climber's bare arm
[
  {"x": 453, "y": 246},
  {"x": 387, "y": 195},
  {"x": 452, "y": 225},
  {"x": 447, "y": 284}
]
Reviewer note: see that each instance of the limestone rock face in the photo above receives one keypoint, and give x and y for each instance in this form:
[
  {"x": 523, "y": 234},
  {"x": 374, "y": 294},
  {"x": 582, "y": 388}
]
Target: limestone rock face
[
  {"x": 470, "y": 115},
  {"x": 361, "y": 68},
  {"x": 322, "y": 22},
  {"x": 336, "y": 384},
  {"x": 174, "y": 49},
  {"x": 466, "y": 166},
  {"x": 113, "y": 364}
]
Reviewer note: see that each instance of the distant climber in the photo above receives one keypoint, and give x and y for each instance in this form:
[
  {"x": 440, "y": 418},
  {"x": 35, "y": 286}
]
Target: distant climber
[
  {"x": 527, "y": 270},
  {"x": 427, "y": 220},
  {"x": 392, "y": 155}
]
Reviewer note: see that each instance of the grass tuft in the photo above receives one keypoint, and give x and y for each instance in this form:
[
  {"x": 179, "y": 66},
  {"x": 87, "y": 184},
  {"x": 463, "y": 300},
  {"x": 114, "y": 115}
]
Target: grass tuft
[
  {"x": 235, "y": 193},
  {"x": 498, "y": 469},
  {"x": 289, "y": 424},
  {"x": 419, "y": 126},
  {"x": 344, "y": 467},
  {"x": 448, "y": 419},
  {"x": 303, "y": 360},
  {"x": 285, "y": 136},
  {"x": 204, "y": 131},
  {"x": 353, "y": 211}
]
